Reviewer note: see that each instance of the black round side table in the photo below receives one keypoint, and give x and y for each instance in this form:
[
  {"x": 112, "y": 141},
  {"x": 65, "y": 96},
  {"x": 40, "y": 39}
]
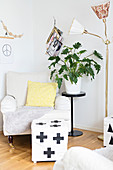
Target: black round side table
[{"x": 81, "y": 94}]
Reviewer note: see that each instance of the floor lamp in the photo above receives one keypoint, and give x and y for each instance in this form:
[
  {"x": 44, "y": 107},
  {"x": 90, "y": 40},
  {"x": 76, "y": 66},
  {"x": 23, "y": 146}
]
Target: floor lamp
[{"x": 101, "y": 11}]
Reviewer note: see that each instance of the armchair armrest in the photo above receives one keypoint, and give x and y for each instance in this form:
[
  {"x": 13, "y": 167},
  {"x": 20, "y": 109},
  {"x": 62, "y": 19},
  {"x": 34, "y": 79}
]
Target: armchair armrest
[
  {"x": 62, "y": 103},
  {"x": 8, "y": 104}
]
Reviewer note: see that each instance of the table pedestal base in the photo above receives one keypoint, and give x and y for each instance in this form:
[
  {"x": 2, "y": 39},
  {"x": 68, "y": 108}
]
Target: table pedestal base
[{"x": 75, "y": 133}]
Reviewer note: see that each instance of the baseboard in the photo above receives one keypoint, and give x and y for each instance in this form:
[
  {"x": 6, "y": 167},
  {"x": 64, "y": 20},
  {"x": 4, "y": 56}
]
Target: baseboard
[{"x": 88, "y": 128}]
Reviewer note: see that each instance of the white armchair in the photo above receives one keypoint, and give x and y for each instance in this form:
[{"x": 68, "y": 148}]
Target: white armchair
[{"x": 17, "y": 118}]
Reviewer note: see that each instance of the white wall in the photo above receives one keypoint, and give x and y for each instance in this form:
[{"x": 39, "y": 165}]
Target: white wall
[
  {"x": 17, "y": 16},
  {"x": 34, "y": 18},
  {"x": 89, "y": 110}
]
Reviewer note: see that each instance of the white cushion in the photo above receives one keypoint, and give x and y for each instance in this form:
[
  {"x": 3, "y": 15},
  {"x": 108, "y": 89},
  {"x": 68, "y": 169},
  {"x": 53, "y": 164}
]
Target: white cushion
[
  {"x": 57, "y": 114},
  {"x": 62, "y": 103},
  {"x": 79, "y": 158},
  {"x": 17, "y": 84}
]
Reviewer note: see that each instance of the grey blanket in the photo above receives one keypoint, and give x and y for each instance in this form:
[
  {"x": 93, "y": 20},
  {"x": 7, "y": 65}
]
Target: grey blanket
[{"x": 20, "y": 121}]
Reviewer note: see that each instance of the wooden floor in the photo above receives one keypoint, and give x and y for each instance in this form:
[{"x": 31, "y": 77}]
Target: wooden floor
[{"x": 20, "y": 157}]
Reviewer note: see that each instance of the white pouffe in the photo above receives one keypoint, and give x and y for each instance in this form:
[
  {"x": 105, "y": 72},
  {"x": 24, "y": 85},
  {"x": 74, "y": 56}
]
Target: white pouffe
[
  {"x": 108, "y": 131},
  {"x": 49, "y": 139}
]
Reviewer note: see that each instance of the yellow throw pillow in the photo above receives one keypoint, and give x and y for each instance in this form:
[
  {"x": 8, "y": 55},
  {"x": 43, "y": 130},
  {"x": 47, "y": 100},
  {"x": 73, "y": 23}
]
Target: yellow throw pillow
[{"x": 41, "y": 94}]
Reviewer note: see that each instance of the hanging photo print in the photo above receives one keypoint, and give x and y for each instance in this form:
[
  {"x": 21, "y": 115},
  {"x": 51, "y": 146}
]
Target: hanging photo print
[
  {"x": 6, "y": 51},
  {"x": 7, "y": 44},
  {"x": 54, "y": 42}
]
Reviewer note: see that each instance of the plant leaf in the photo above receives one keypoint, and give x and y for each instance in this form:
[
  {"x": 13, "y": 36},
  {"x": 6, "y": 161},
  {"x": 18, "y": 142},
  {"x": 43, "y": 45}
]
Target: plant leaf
[
  {"x": 87, "y": 60},
  {"x": 52, "y": 64},
  {"x": 64, "y": 67},
  {"x": 91, "y": 72},
  {"x": 82, "y": 51},
  {"x": 71, "y": 76},
  {"x": 77, "y": 45},
  {"x": 57, "y": 59},
  {"x": 75, "y": 80},
  {"x": 71, "y": 63},
  {"x": 82, "y": 70},
  {"x": 97, "y": 67},
  {"x": 59, "y": 82},
  {"x": 68, "y": 57},
  {"x": 71, "y": 48},
  {"x": 67, "y": 47},
  {"x": 98, "y": 55},
  {"x": 55, "y": 62},
  {"x": 52, "y": 58},
  {"x": 65, "y": 76},
  {"x": 74, "y": 56},
  {"x": 52, "y": 72},
  {"x": 61, "y": 70},
  {"x": 65, "y": 51},
  {"x": 75, "y": 65}
]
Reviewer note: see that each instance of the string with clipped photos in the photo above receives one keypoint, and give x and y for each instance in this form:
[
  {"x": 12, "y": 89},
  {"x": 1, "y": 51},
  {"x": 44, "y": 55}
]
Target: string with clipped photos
[{"x": 8, "y": 34}]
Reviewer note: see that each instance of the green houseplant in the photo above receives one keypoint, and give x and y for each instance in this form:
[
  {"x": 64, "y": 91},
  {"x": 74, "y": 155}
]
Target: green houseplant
[{"x": 73, "y": 64}]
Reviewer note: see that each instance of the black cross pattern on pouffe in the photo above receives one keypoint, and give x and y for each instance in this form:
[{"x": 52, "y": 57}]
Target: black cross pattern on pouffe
[
  {"x": 110, "y": 128},
  {"x": 40, "y": 123},
  {"x": 41, "y": 137},
  {"x": 111, "y": 141},
  {"x": 55, "y": 121},
  {"x": 49, "y": 152},
  {"x": 55, "y": 125},
  {"x": 58, "y": 138}
]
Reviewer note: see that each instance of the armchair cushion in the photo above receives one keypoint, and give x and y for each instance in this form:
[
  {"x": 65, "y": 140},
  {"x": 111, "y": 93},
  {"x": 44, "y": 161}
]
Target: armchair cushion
[
  {"x": 16, "y": 84},
  {"x": 62, "y": 103},
  {"x": 41, "y": 94},
  {"x": 20, "y": 120},
  {"x": 8, "y": 104}
]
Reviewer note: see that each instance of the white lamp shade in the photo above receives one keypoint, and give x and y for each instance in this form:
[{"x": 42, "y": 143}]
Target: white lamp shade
[{"x": 76, "y": 27}]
